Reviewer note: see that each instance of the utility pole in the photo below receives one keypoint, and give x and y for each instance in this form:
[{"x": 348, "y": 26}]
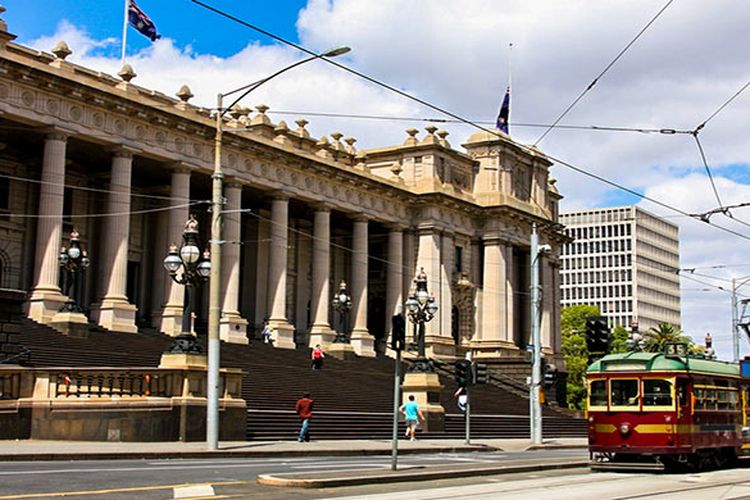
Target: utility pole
[
  {"x": 535, "y": 408},
  {"x": 736, "y": 315}
]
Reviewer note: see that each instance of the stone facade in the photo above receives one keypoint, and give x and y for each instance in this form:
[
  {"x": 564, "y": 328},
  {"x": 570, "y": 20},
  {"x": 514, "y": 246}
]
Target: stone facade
[{"x": 126, "y": 166}]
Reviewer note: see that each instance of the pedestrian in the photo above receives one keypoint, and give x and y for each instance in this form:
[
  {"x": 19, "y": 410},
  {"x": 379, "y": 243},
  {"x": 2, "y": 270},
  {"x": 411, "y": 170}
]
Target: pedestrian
[
  {"x": 412, "y": 415},
  {"x": 317, "y": 357},
  {"x": 462, "y": 398},
  {"x": 267, "y": 333},
  {"x": 304, "y": 409}
]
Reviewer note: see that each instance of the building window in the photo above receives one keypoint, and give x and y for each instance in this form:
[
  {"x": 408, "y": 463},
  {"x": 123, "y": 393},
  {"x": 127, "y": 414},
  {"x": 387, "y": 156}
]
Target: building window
[{"x": 459, "y": 260}]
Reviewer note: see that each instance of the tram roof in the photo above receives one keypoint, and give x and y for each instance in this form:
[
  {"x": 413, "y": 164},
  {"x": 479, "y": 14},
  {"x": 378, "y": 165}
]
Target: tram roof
[{"x": 659, "y": 362}]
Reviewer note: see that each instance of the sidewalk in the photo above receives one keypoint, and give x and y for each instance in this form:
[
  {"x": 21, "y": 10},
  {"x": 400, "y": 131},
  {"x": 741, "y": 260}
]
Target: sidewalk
[{"x": 29, "y": 450}]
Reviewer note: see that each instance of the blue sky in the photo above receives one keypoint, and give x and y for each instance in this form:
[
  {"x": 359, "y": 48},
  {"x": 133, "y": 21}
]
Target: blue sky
[{"x": 182, "y": 20}]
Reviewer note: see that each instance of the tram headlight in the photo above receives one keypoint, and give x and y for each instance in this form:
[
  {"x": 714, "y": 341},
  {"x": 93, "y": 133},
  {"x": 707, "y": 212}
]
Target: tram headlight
[{"x": 625, "y": 428}]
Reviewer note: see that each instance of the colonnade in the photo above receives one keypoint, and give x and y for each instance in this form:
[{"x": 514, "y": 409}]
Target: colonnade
[{"x": 428, "y": 246}]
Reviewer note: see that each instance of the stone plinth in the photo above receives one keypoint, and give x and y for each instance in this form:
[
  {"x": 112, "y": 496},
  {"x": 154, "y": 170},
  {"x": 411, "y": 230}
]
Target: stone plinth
[
  {"x": 73, "y": 324},
  {"x": 116, "y": 316},
  {"x": 282, "y": 334},
  {"x": 320, "y": 335},
  {"x": 233, "y": 329},
  {"x": 44, "y": 305},
  {"x": 178, "y": 360},
  {"x": 426, "y": 387},
  {"x": 363, "y": 343},
  {"x": 341, "y": 351}
]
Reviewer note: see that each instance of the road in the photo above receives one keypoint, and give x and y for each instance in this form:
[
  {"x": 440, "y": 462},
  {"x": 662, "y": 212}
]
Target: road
[
  {"x": 159, "y": 479},
  {"x": 235, "y": 478}
]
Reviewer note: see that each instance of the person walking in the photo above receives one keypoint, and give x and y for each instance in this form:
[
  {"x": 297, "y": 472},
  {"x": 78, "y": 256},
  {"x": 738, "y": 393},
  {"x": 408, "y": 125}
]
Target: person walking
[
  {"x": 462, "y": 397},
  {"x": 317, "y": 357},
  {"x": 412, "y": 414},
  {"x": 267, "y": 333},
  {"x": 304, "y": 409}
]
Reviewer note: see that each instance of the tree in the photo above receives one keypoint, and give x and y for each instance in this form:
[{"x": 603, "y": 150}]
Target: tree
[
  {"x": 657, "y": 337},
  {"x": 575, "y": 354},
  {"x": 617, "y": 342}
]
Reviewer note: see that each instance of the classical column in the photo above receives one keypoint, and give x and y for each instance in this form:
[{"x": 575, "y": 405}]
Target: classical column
[
  {"x": 394, "y": 298},
  {"x": 547, "y": 294},
  {"x": 361, "y": 340},
  {"x": 46, "y": 297},
  {"x": 495, "y": 332},
  {"x": 320, "y": 331},
  {"x": 160, "y": 221},
  {"x": 510, "y": 294},
  {"x": 429, "y": 259},
  {"x": 171, "y": 318},
  {"x": 444, "y": 293},
  {"x": 263, "y": 252},
  {"x": 283, "y": 332},
  {"x": 115, "y": 312},
  {"x": 232, "y": 326}
]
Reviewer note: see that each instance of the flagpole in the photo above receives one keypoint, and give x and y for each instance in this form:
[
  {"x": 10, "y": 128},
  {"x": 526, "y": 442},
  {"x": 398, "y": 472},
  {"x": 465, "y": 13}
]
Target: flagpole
[
  {"x": 124, "y": 33},
  {"x": 510, "y": 73}
]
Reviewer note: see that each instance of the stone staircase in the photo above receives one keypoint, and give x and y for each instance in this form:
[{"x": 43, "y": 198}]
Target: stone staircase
[{"x": 353, "y": 398}]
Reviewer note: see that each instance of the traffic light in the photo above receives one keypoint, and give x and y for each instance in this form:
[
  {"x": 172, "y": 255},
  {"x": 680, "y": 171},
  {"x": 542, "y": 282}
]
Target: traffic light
[
  {"x": 398, "y": 332},
  {"x": 463, "y": 372},
  {"x": 550, "y": 375},
  {"x": 597, "y": 334},
  {"x": 480, "y": 373}
]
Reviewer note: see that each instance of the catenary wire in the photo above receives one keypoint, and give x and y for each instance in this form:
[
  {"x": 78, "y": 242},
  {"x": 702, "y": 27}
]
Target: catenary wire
[
  {"x": 453, "y": 115},
  {"x": 602, "y": 73}
]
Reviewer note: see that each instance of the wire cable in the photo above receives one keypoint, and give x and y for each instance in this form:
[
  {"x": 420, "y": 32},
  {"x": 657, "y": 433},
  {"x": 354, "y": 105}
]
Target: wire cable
[
  {"x": 721, "y": 108},
  {"x": 600, "y": 75},
  {"x": 434, "y": 107}
]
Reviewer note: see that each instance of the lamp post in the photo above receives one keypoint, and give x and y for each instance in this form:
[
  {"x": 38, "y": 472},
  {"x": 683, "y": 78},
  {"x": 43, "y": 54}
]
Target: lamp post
[
  {"x": 73, "y": 261},
  {"x": 535, "y": 406},
  {"x": 342, "y": 303},
  {"x": 635, "y": 340},
  {"x": 195, "y": 271},
  {"x": 737, "y": 283},
  {"x": 217, "y": 201},
  {"x": 421, "y": 308}
]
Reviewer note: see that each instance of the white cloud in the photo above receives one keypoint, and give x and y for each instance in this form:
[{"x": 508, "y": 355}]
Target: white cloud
[{"x": 454, "y": 54}]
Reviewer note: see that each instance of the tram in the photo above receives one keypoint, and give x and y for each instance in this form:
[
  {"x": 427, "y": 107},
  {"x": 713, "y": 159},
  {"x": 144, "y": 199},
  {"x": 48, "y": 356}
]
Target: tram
[{"x": 667, "y": 411}]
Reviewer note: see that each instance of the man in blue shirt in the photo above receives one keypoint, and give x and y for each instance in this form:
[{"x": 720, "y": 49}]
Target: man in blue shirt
[{"x": 412, "y": 415}]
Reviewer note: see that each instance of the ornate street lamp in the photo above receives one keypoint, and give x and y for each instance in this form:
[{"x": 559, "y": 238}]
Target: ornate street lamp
[
  {"x": 421, "y": 308},
  {"x": 195, "y": 271},
  {"x": 342, "y": 303},
  {"x": 635, "y": 340},
  {"x": 73, "y": 261}
]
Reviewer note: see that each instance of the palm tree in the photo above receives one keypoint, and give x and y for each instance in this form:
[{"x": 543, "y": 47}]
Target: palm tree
[{"x": 657, "y": 337}]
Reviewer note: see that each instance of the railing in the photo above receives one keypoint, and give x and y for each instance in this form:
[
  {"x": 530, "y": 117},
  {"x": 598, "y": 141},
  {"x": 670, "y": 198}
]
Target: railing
[{"x": 119, "y": 383}]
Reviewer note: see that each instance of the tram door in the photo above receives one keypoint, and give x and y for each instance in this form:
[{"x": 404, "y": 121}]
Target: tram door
[
  {"x": 684, "y": 414},
  {"x": 745, "y": 394}
]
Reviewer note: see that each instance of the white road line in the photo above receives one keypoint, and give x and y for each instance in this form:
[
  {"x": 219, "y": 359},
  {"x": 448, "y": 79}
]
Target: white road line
[{"x": 194, "y": 491}]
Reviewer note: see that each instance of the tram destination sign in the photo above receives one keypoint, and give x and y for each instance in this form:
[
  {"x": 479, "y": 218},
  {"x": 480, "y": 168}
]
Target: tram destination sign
[{"x": 745, "y": 368}]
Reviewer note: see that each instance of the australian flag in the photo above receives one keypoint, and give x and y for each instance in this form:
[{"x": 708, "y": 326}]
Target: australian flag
[
  {"x": 140, "y": 21},
  {"x": 502, "y": 116}
]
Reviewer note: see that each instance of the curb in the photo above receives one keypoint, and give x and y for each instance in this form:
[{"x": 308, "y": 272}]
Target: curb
[
  {"x": 148, "y": 455},
  {"x": 295, "y": 481}
]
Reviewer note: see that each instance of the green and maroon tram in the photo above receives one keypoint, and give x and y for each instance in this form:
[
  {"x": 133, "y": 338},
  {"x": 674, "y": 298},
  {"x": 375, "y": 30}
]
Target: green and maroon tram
[{"x": 666, "y": 410}]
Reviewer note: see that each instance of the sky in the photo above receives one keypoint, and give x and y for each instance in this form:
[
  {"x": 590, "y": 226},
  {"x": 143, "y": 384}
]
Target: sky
[{"x": 686, "y": 64}]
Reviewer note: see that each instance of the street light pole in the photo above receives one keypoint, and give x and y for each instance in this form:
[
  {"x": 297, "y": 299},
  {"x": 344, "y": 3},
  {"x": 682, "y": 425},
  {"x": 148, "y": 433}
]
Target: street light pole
[
  {"x": 421, "y": 308},
  {"x": 535, "y": 407},
  {"x": 217, "y": 202}
]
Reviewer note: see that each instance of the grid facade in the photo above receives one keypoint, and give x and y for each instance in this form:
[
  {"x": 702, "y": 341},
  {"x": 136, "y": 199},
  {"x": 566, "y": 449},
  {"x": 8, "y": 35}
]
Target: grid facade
[{"x": 624, "y": 260}]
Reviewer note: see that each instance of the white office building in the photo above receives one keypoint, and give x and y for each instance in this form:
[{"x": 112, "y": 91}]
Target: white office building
[{"x": 623, "y": 260}]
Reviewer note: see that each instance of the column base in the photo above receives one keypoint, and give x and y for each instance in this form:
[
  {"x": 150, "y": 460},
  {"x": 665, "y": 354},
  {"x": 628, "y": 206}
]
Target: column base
[
  {"x": 233, "y": 329},
  {"x": 72, "y": 324},
  {"x": 341, "y": 351},
  {"x": 363, "y": 343},
  {"x": 116, "y": 315},
  {"x": 320, "y": 334},
  {"x": 282, "y": 334},
  {"x": 426, "y": 387},
  {"x": 171, "y": 320},
  {"x": 438, "y": 346},
  {"x": 495, "y": 349},
  {"x": 44, "y": 304},
  {"x": 172, "y": 360}
]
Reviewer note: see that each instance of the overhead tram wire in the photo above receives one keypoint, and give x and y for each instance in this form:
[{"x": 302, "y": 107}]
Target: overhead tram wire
[
  {"x": 605, "y": 70},
  {"x": 458, "y": 117}
]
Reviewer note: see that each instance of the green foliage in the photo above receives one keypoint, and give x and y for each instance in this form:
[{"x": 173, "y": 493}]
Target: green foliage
[
  {"x": 573, "y": 326},
  {"x": 657, "y": 337},
  {"x": 618, "y": 339}
]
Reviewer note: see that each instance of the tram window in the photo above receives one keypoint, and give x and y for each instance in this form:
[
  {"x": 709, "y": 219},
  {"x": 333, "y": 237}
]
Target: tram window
[
  {"x": 598, "y": 393},
  {"x": 657, "y": 392},
  {"x": 682, "y": 392},
  {"x": 625, "y": 392}
]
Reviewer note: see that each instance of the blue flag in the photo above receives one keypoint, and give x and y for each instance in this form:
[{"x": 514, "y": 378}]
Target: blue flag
[
  {"x": 140, "y": 21},
  {"x": 502, "y": 117}
]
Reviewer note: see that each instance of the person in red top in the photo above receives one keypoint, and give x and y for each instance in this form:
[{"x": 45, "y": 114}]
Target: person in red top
[
  {"x": 304, "y": 409},
  {"x": 317, "y": 357}
]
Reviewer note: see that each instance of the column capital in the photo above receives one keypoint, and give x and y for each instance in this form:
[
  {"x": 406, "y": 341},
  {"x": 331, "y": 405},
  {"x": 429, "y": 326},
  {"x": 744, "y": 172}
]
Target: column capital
[
  {"x": 56, "y": 134},
  {"x": 279, "y": 196},
  {"x": 359, "y": 217},
  {"x": 233, "y": 182},
  {"x": 121, "y": 151},
  {"x": 181, "y": 168},
  {"x": 321, "y": 206},
  {"x": 396, "y": 227}
]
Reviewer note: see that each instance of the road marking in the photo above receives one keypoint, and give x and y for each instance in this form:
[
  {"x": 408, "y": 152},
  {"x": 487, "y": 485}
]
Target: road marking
[
  {"x": 130, "y": 469},
  {"x": 193, "y": 491},
  {"x": 56, "y": 494}
]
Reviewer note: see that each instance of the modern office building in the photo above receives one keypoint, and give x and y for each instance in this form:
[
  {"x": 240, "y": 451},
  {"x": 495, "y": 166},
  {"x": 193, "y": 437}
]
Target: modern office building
[{"x": 623, "y": 260}]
